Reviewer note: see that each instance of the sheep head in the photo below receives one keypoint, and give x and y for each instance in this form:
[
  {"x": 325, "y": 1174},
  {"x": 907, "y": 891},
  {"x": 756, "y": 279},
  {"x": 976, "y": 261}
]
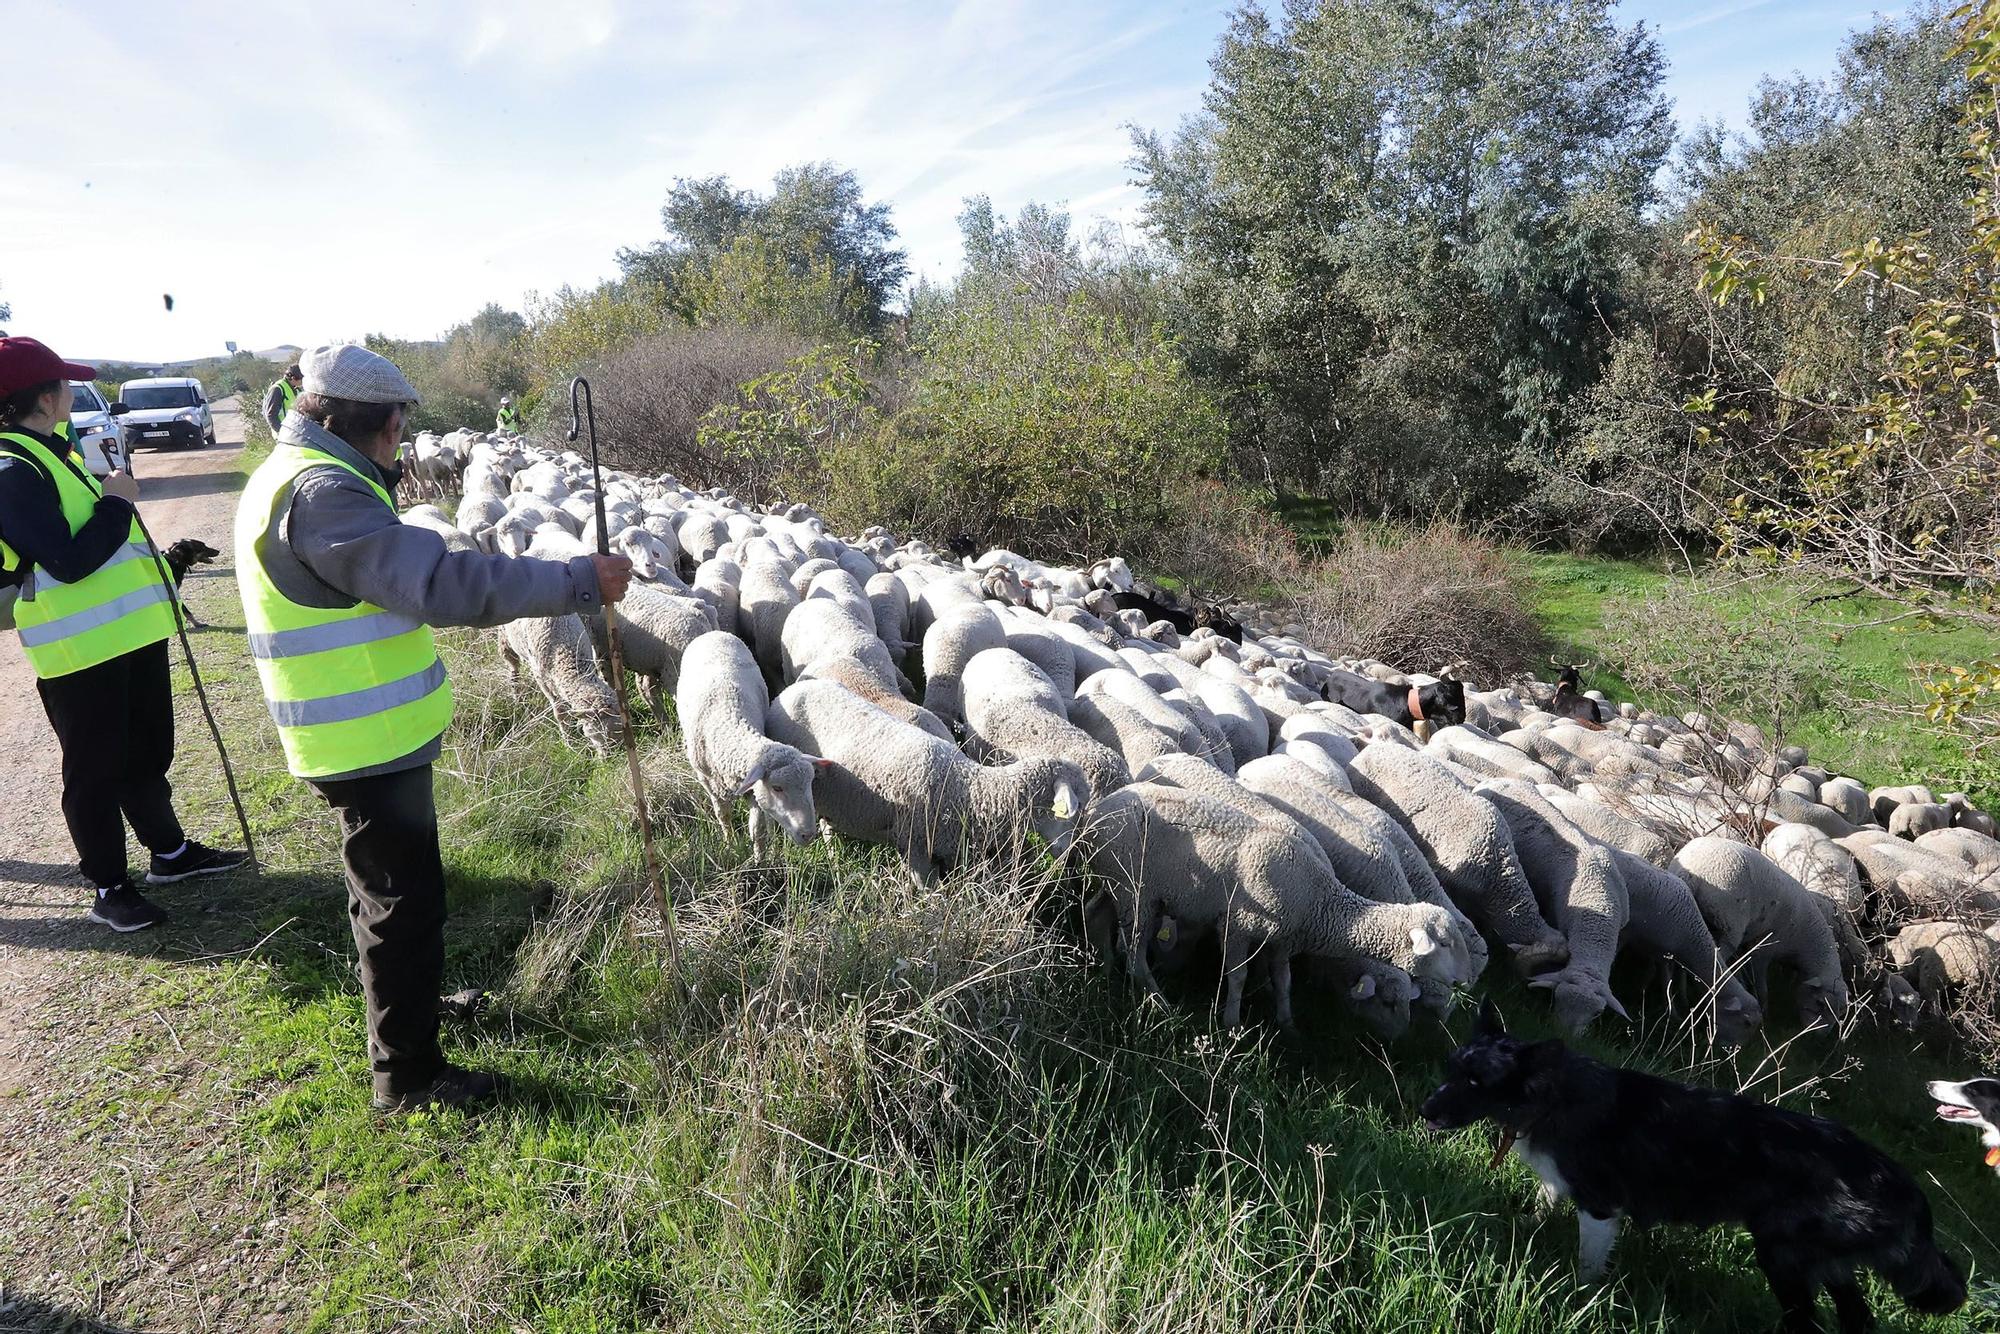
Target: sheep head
[{"x": 1580, "y": 996}]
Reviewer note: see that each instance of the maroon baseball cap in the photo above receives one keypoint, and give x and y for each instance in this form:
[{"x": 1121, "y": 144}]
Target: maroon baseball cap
[{"x": 28, "y": 361}]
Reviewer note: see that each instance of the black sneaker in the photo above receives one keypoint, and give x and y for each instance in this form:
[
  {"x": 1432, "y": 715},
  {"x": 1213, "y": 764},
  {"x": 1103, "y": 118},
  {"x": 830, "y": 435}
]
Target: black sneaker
[
  {"x": 123, "y": 908},
  {"x": 194, "y": 859},
  {"x": 454, "y": 1087}
]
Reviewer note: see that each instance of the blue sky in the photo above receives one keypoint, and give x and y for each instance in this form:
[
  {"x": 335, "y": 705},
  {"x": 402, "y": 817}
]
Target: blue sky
[{"x": 301, "y": 172}]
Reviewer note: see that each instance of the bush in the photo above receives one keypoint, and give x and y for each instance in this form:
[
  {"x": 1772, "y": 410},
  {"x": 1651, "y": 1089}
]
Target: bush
[
  {"x": 1051, "y": 428},
  {"x": 576, "y": 331},
  {"x": 1729, "y": 648},
  {"x": 652, "y": 398},
  {"x": 1422, "y": 599}
]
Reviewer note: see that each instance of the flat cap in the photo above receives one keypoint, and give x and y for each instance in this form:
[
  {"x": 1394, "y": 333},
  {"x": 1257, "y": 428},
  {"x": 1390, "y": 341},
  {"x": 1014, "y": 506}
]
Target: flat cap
[{"x": 352, "y": 372}]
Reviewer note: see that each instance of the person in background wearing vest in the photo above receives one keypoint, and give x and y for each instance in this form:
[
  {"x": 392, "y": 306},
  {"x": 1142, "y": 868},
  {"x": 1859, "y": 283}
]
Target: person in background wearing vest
[
  {"x": 509, "y": 416},
  {"x": 94, "y": 614},
  {"x": 278, "y": 399},
  {"x": 339, "y": 597}
]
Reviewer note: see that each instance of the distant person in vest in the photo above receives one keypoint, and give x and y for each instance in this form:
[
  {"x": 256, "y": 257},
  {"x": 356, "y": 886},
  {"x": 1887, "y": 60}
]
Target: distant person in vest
[
  {"x": 339, "y": 598},
  {"x": 94, "y": 615},
  {"x": 509, "y": 418},
  {"x": 278, "y": 399}
]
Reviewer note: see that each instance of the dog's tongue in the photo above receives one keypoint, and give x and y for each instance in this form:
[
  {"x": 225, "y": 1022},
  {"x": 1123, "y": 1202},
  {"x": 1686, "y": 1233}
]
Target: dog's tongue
[
  {"x": 1993, "y": 1157},
  {"x": 1953, "y": 1112}
]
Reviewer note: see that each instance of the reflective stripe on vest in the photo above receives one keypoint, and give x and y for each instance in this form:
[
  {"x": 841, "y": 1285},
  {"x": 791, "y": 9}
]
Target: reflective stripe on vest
[
  {"x": 349, "y": 687},
  {"x": 122, "y": 605}
]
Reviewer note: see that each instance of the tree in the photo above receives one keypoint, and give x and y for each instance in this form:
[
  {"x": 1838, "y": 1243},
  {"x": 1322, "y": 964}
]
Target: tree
[
  {"x": 1819, "y": 167},
  {"x": 814, "y": 221},
  {"x": 1874, "y": 467},
  {"x": 1401, "y": 234}
]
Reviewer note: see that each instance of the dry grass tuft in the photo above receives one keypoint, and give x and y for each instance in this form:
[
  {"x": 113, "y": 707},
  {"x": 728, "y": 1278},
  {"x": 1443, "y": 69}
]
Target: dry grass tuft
[{"x": 1422, "y": 599}]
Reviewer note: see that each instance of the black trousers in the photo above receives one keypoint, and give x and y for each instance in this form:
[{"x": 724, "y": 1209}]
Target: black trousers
[
  {"x": 395, "y": 905},
  {"x": 115, "y": 722}
]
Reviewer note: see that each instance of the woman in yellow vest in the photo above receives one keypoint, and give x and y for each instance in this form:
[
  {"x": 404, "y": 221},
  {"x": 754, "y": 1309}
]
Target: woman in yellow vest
[
  {"x": 339, "y": 596},
  {"x": 94, "y": 611}
]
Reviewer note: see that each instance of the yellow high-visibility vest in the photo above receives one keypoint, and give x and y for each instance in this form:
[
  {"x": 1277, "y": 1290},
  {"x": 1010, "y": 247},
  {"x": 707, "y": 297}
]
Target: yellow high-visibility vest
[
  {"x": 124, "y": 604},
  {"x": 348, "y": 687}
]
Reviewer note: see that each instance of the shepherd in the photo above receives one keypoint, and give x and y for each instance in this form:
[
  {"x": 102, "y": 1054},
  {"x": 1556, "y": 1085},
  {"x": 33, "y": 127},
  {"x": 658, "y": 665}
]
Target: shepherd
[{"x": 339, "y": 597}]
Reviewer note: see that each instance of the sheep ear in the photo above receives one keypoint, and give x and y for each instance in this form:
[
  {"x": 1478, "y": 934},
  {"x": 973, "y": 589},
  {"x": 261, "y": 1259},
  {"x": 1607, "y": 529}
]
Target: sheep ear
[
  {"x": 1546, "y": 982},
  {"x": 1168, "y": 931},
  {"x": 1488, "y": 1025},
  {"x": 1421, "y": 942},
  {"x": 1363, "y": 988},
  {"x": 1065, "y": 803},
  {"x": 755, "y": 777},
  {"x": 819, "y": 764},
  {"x": 1611, "y": 1003}
]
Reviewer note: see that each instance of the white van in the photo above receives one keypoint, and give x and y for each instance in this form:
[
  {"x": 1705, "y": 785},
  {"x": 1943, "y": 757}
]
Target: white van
[
  {"x": 95, "y": 428},
  {"x": 167, "y": 411}
]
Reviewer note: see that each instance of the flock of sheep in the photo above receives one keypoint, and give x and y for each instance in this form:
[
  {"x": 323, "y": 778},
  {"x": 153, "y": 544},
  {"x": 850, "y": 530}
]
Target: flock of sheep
[{"x": 1217, "y": 781}]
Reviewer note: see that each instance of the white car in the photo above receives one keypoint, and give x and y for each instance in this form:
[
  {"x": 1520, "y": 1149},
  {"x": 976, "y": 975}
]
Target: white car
[
  {"x": 95, "y": 428},
  {"x": 167, "y": 411}
]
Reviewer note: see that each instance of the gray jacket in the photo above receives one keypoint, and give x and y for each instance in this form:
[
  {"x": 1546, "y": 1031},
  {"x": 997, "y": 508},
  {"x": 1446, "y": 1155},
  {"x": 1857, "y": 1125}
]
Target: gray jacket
[{"x": 332, "y": 543}]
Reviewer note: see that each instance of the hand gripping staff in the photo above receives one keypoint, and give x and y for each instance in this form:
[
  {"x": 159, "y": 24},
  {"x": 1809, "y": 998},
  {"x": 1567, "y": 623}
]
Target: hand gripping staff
[{"x": 583, "y": 410}]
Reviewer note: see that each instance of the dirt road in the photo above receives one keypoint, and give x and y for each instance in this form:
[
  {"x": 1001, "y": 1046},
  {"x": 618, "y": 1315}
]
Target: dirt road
[{"x": 68, "y": 991}]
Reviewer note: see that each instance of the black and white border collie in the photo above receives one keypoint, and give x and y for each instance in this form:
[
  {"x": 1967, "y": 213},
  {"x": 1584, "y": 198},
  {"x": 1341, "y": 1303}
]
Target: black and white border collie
[
  {"x": 1975, "y": 1102},
  {"x": 1819, "y": 1201}
]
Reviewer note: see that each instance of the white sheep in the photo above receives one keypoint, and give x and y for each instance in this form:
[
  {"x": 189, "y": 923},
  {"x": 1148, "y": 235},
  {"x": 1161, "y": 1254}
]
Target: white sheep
[
  {"x": 1916, "y": 882},
  {"x": 715, "y": 582},
  {"x": 1122, "y": 728},
  {"x": 1580, "y": 890},
  {"x": 1828, "y": 871},
  {"x": 723, "y": 704},
  {"x": 891, "y": 783},
  {"x": 1883, "y": 801},
  {"x": 1607, "y": 826},
  {"x": 1979, "y": 852},
  {"x": 1263, "y": 889},
  {"x": 1031, "y": 637},
  {"x": 1847, "y": 799},
  {"x": 1665, "y": 922},
  {"x": 1479, "y": 752},
  {"x": 655, "y": 629},
  {"x": 838, "y": 585},
  {"x": 1912, "y": 819},
  {"x": 1367, "y": 855},
  {"x": 1964, "y": 815},
  {"x": 1755, "y": 908},
  {"x": 764, "y": 599},
  {"x": 950, "y": 642},
  {"x": 1948, "y": 964},
  {"x": 826, "y": 641},
  {"x": 1142, "y": 699},
  {"x": 1013, "y": 708},
  {"x": 562, "y": 662},
  {"x": 889, "y": 600},
  {"x": 1468, "y": 845}
]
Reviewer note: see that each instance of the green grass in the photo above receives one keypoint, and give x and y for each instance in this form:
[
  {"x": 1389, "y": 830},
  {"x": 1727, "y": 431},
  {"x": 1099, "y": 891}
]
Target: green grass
[
  {"x": 1872, "y": 663},
  {"x": 874, "y": 1106}
]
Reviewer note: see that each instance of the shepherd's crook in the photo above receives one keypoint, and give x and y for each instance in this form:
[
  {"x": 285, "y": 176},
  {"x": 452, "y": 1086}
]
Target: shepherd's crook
[
  {"x": 200, "y": 693},
  {"x": 579, "y": 393}
]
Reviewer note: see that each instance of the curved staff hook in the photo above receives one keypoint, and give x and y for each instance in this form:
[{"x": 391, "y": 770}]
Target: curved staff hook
[{"x": 583, "y": 410}]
